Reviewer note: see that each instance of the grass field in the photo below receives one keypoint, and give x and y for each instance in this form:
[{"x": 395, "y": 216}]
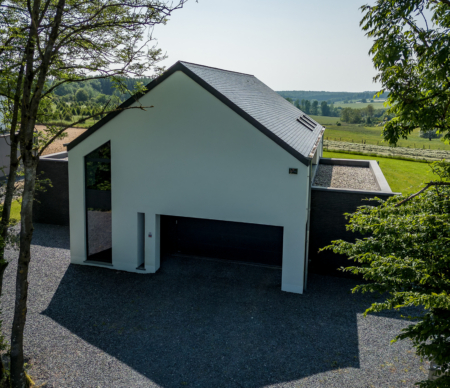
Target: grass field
[
  {"x": 360, "y": 105},
  {"x": 325, "y": 120},
  {"x": 356, "y": 133},
  {"x": 403, "y": 176}
]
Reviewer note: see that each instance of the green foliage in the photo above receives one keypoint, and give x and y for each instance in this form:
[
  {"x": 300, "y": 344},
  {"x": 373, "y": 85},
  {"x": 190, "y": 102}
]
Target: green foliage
[
  {"x": 315, "y": 107},
  {"x": 324, "y": 108},
  {"x": 82, "y": 95},
  {"x": 405, "y": 255},
  {"x": 351, "y": 116},
  {"x": 411, "y": 52}
]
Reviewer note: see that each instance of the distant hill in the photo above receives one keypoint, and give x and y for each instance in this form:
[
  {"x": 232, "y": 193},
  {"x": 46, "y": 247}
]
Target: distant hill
[{"x": 328, "y": 96}]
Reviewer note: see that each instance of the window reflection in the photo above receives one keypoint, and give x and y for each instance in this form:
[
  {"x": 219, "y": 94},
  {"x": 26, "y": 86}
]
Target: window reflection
[{"x": 98, "y": 204}]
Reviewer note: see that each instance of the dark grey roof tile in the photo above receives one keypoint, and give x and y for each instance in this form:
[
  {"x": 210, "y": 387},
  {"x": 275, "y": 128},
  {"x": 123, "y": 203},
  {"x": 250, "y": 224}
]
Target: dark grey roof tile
[{"x": 263, "y": 104}]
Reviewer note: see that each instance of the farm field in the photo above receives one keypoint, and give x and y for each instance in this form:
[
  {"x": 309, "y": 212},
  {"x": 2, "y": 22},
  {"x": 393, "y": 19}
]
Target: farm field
[
  {"x": 360, "y": 105},
  {"x": 356, "y": 133},
  {"x": 325, "y": 120},
  {"x": 403, "y": 176}
]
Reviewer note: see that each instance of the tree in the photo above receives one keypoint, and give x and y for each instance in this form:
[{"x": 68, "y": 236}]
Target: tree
[
  {"x": 324, "y": 108},
  {"x": 412, "y": 56},
  {"x": 82, "y": 95},
  {"x": 405, "y": 255},
  {"x": 370, "y": 110},
  {"x": 345, "y": 115},
  {"x": 315, "y": 107},
  {"x": 45, "y": 44},
  {"x": 307, "y": 106},
  {"x": 302, "y": 105}
]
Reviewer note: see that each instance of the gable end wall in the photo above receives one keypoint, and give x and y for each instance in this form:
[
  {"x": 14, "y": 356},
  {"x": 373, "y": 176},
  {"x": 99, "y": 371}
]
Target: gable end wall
[{"x": 191, "y": 156}]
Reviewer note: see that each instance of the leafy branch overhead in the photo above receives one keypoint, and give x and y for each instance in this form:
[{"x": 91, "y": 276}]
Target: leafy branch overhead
[
  {"x": 404, "y": 254},
  {"x": 46, "y": 45},
  {"x": 411, "y": 52}
]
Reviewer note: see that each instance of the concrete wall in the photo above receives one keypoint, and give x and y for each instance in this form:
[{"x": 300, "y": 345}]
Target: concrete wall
[
  {"x": 52, "y": 206},
  {"x": 191, "y": 156}
]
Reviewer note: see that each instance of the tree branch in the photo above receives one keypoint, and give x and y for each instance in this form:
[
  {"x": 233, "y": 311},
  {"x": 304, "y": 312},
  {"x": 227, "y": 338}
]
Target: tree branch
[
  {"x": 429, "y": 184},
  {"x": 84, "y": 119}
]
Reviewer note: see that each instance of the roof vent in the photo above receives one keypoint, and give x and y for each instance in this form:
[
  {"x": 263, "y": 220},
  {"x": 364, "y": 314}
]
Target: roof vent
[{"x": 307, "y": 122}]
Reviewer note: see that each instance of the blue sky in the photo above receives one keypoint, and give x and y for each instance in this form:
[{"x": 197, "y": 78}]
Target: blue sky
[{"x": 288, "y": 44}]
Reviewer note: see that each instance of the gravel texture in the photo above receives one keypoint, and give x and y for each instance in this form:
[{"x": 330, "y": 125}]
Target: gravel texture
[
  {"x": 200, "y": 323},
  {"x": 344, "y": 177}
]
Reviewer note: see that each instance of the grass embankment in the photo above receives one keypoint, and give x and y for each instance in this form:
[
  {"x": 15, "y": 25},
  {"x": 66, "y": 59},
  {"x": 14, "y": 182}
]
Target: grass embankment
[
  {"x": 403, "y": 176},
  {"x": 356, "y": 133}
]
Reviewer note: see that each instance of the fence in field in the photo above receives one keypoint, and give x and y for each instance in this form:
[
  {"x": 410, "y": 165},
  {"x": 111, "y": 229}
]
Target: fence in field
[{"x": 384, "y": 144}]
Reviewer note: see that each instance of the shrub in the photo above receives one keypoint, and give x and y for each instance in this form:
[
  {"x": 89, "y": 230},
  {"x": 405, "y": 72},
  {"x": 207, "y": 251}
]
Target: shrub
[{"x": 405, "y": 256}]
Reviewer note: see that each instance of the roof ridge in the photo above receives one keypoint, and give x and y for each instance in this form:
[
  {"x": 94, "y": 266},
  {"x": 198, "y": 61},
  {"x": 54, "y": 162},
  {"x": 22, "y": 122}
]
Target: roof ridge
[{"x": 216, "y": 68}]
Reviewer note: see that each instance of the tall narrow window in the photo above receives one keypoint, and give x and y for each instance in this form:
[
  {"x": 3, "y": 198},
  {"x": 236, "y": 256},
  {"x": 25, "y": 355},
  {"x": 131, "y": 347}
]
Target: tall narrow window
[
  {"x": 141, "y": 241},
  {"x": 98, "y": 204}
]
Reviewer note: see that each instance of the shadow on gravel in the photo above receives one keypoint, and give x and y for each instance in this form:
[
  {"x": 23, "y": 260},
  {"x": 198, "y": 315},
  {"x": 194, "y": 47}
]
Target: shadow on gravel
[
  {"x": 212, "y": 324},
  {"x": 51, "y": 236}
]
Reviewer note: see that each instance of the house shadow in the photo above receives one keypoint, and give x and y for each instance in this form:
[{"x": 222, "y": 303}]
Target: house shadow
[{"x": 218, "y": 324}]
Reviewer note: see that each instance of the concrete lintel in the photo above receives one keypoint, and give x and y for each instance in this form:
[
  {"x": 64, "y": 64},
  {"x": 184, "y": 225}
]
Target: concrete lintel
[{"x": 379, "y": 177}]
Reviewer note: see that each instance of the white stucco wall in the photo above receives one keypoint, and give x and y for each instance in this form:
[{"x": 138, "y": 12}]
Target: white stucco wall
[{"x": 191, "y": 156}]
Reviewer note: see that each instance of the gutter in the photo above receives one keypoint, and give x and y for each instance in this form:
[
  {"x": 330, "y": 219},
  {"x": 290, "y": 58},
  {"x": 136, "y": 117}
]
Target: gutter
[{"x": 313, "y": 151}]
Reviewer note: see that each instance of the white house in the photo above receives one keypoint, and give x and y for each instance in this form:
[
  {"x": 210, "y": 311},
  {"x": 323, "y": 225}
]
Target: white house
[{"x": 219, "y": 166}]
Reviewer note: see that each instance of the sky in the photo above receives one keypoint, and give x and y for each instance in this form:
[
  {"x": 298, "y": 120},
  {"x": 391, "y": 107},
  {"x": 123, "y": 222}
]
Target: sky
[{"x": 287, "y": 44}]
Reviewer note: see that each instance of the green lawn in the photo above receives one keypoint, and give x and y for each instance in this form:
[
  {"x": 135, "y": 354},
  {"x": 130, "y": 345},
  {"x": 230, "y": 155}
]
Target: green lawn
[
  {"x": 403, "y": 176},
  {"x": 355, "y": 133},
  {"x": 372, "y": 135},
  {"x": 15, "y": 210}
]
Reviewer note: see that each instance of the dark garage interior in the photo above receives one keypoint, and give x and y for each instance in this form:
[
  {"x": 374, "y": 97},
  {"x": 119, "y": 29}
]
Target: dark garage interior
[{"x": 233, "y": 241}]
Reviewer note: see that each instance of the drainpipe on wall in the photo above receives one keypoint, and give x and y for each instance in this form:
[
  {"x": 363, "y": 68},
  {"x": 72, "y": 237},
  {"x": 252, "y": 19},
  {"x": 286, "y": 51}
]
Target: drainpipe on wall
[{"x": 308, "y": 212}]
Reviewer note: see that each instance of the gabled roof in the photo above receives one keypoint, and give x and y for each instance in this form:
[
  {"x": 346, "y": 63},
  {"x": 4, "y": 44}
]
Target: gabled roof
[{"x": 251, "y": 99}]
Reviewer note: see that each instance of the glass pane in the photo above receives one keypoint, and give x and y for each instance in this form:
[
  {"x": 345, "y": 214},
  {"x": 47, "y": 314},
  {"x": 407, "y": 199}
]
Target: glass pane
[{"x": 98, "y": 204}]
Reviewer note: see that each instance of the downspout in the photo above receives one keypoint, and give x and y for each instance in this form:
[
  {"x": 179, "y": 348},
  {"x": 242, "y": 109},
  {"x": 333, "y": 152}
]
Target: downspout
[{"x": 308, "y": 212}]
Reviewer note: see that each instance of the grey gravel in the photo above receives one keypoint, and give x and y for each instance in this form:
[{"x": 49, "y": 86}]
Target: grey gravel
[
  {"x": 200, "y": 323},
  {"x": 344, "y": 177}
]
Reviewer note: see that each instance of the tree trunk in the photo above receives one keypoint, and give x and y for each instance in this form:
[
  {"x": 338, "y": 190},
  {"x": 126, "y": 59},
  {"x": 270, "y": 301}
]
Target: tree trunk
[
  {"x": 3, "y": 265},
  {"x": 18, "y": 377}
]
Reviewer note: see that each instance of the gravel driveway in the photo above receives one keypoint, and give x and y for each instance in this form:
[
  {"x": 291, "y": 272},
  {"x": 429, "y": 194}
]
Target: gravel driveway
[{"x": 200, "y": 323}]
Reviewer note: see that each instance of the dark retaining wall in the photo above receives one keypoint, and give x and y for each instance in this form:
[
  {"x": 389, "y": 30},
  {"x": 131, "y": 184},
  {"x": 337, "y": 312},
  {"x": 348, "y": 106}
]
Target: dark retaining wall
[
  {"x": 328, "y": 223},
  {"x": 52, "y": 206}
]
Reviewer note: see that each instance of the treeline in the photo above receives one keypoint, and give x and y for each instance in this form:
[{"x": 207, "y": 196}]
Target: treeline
[
  {"x": 367, "y": 115},
  {"x": 329, "y": 97},
  {"x": 98, "y": 89},
  {"x": 70, "y": 111},
  {"x": 316, "y": 108}
]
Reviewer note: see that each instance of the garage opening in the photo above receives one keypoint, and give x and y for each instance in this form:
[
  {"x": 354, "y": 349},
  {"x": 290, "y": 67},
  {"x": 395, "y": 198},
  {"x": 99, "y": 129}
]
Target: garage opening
[{"x": 235, "y": 241}]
